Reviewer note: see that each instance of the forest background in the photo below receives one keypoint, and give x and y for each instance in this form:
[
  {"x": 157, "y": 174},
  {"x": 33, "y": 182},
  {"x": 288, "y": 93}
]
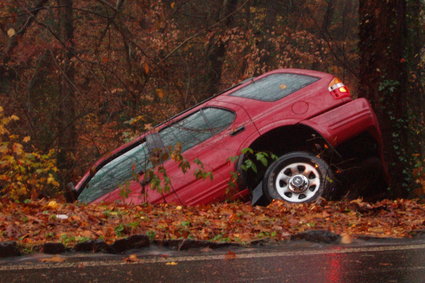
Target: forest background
[{"x": 78, "y": 77}]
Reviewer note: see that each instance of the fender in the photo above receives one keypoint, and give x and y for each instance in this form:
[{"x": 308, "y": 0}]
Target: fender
[
  {"x": 321, "y": 130},
  {"x": 278, "y": 124},
  {"x": 270, "y": 127}
]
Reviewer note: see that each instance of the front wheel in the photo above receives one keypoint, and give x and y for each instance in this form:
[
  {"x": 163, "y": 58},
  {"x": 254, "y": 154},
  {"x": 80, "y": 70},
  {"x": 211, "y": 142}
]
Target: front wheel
[{"x": 297, "y": 177}]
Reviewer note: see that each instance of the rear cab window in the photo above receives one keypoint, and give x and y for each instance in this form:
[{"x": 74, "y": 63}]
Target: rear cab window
[{"x": 275, "y": 86}]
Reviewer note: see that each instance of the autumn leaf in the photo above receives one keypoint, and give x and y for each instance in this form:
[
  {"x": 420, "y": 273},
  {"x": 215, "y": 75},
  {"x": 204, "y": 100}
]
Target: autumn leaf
[
  {"x": 116, "y": 90},
  {"x": 148, "y": 127},
  {"x": 26, "y": 223},
  {"x": 132, "y": 258},
  {"x": 135, "y": 120},
  {"x": 52, "y": 181},
  {"x": 146, "y": 68},
  {"x": 87, "y": 234},
  {"x": 53, "y": 204},
  {"x": 54, "y": 259},
  {"x": 206, "y": 250},
  {"x": 385, "y": 264},
  {"x": 346, "y": 239},
  {"x": 230, "y": 255},
  {"x": 17, "y": 148},
  {"x": 160, "y": 93},
  {"x": 11, "y": 32}
]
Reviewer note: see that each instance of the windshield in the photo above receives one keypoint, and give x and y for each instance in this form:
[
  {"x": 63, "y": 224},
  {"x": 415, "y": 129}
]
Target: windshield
[{"x": 116, "y": 172}]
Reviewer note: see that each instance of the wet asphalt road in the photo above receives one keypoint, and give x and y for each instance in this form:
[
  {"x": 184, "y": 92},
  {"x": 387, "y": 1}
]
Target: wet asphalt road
[{"x": 378, "y": 261}]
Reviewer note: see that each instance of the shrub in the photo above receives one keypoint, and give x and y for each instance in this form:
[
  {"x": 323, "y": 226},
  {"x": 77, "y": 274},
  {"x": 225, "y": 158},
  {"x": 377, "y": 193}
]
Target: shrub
[{"x": 24, "y": 174}]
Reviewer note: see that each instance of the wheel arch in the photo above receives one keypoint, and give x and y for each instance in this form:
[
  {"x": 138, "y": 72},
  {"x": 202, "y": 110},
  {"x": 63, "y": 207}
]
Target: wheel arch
[
  {"x": 279, "y": 140},
  {"x": 341, "y": 155}
]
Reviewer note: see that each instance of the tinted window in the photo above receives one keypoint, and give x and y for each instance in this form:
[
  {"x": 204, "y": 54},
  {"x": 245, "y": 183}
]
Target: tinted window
[
  {"x": 274, "y": 87},
  {"x": 116, "y": 172},
  {"x": 197, "y": 127}
]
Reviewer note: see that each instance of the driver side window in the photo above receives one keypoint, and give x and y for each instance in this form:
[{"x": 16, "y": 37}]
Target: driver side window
[{"x": 197, "y": 127}]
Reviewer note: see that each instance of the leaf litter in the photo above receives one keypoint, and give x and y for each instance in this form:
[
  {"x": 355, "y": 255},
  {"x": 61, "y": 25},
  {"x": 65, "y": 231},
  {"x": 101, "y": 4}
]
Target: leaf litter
[{"x": 37, "y": 222}]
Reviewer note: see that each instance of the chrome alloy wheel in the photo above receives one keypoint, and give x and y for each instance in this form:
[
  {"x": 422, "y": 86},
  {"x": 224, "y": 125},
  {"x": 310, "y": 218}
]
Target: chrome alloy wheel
[{"x": 298, "y": 182}]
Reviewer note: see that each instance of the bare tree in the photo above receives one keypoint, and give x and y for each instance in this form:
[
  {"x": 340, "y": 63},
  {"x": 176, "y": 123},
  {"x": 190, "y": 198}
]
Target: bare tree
[
  {"x": 66, "y": 96},
  {"x": 383, "y": 78}
]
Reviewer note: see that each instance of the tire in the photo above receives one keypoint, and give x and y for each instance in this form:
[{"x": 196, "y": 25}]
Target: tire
[{"x": 298, "y": 177}]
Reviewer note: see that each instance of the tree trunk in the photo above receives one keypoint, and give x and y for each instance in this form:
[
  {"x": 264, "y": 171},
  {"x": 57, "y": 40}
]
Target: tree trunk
[
  {"x": 324, "y": 30},
  {"x": 217, "y": 48},
  {"x": 66, "y": 100},
  {"x": 416, "y": 91},
  {"x": 383, "y": 79},
  {"x": 416, "y": 87}
]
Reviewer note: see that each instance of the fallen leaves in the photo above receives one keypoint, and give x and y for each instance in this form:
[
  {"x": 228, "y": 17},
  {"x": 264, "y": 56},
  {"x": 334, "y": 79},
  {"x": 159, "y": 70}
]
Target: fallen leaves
[
  {"x": 52, "y": 204},
  {"x": 230, "y": 255},
  {"x": 132, "y": 258},
  {"x": 346, "y": 239},
  {"x": 38, "y": 222},
  {"x": 53, "y": 259}
]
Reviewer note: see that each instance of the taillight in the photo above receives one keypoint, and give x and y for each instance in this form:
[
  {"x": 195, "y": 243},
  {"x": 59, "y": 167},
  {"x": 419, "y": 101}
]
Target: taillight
[{"x": 338, "y": 89}]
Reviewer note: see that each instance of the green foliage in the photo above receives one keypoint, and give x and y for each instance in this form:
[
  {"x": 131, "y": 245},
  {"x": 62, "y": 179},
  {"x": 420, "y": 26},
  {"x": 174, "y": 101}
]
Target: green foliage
[
  {"x": 266, "y": 234},
  {"x": 251, "y": 160},
  {"x": 220, "y": 238},
  {"x": 80, "y": 239},
  {"x": 419, "y": 175},
  {"x": 151, "y": 235},
  {"x": 157, "y": 176},
  {"x": 185, "y": 223},
  {"x": 158, "y": 179},
  {"x": 125, "y": 190},
  {"x": 23, "y": 174},
  {"x": 233, "y": 179},
  {"x": 262, "y": 157},
  {"x": 120, "y": 230},
  {"x": 200, "y": 172},
  {"x": 388, "y": 86},
  {"x": 249, "y": 165},
  {"x": 67, "y": 239}
]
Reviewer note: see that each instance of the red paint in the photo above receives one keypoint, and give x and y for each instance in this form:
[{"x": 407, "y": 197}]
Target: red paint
[{"x": 337, "y": 119}]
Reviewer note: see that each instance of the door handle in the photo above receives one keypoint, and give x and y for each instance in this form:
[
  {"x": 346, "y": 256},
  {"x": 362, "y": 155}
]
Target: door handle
[{"x": 237, "y": 131}]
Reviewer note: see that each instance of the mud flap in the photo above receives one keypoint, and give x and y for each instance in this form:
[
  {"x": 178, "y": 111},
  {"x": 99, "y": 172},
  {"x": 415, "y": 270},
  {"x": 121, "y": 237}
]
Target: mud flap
[{"x": 257, "y": 193}]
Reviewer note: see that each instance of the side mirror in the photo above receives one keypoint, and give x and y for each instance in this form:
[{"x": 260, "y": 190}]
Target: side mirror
[{"x": 71, "y": 194}]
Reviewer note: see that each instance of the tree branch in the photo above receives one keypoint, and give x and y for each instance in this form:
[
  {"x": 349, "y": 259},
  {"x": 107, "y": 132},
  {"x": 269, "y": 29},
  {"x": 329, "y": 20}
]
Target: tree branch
[
  {"x": 13, "y": 41},
  {"x": 203, "y": 31}
]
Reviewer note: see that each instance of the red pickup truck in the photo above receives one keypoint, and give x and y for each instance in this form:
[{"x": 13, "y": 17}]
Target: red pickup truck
[{"x": 322, "y": 138}]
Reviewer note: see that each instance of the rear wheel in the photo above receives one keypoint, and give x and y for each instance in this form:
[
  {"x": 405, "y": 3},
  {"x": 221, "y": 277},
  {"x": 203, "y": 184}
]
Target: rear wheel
[{"x": 298, "y": 177}]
